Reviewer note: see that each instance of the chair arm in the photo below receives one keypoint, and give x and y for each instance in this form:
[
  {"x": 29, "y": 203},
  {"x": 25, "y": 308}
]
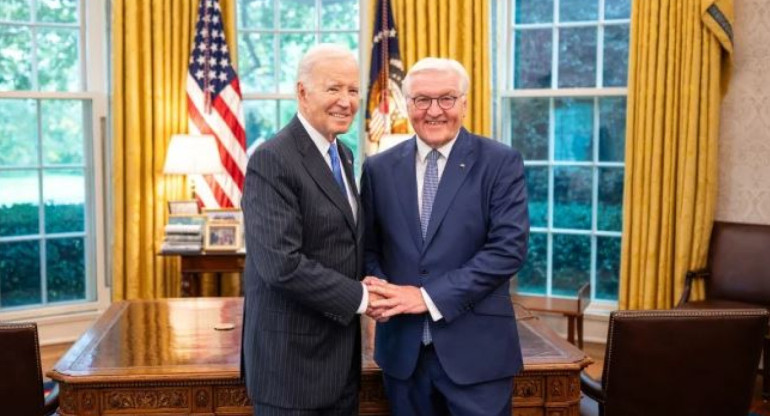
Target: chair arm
[
  {"x": 688, "y": 278},
  {"x": 51, "y": 401},
  {"x": 591, "y": 388}
]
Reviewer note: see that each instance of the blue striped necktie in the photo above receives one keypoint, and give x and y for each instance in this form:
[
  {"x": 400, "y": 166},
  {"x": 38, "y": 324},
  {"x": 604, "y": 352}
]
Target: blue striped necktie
[
  {"x": 429, "y": 188},
  {"x": 336, "y": 168}
]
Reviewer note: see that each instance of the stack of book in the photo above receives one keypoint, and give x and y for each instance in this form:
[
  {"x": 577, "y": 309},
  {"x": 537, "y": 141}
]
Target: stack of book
[{"x": 182, "y": 238}]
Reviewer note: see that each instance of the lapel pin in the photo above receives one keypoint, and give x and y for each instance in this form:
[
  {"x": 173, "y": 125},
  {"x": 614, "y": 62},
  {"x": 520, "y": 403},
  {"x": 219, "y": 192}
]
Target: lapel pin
[{"x": 462, "y": 165}]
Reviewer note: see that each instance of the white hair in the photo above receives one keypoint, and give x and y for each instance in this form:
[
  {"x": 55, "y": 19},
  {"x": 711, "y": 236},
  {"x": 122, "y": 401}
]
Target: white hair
[
  {"x": 436, "y": 65},
  {"x": 317, "y": 53}
]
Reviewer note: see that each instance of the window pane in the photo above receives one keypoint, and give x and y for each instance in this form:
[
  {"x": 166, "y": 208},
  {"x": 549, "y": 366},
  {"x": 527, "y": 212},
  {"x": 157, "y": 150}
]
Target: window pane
[
  {"x": 573, "y": 130},
  {"x": 339, "y": 14},
  {"x": 65, "y": 269},
  {"x": 537, "y": 195},
  {"x": 20, "y": 273},
  {"x": 351, "y": 137},
  {"x": 255, "y": 14},
  {"x": 533, "y": 58},
  {"x": 260, "y": 118},
  {"x": 578, "y": 10},
  {"x": 256, "y": 62},
  {"x": 19, "y": 196},
  {"x": 532, "y": 276},
  {"x": 529, "y": 127},
  {"x": 610, "y": 210},
  {"x": 17, "y": 10},
  {"x": 571, "y": 263},
  {"x": 64, "y": 193},
  {"x": 293, "y": 46},
  {"x": 572, "y": 197},
  {"x": 15, "y": 58},
  {"x": 57, "y": 11},
  {"x": 577, "y": 57},
  {"x": 607, "y": 267},
  {"x": 57, "y": 59},
  {"x": 617, "y": 9},
  {"x": 298, "y": 14},
  {"x": 534, "y": 11},
  {"x": 612, "y": 129},
  {"x": 62, "y": 122},
  {"x": 615, "y": 72},
  {"x": 348, "y": 39},
  {"x": 18, "y": 133},
  {"x": 287, "y": 109}
]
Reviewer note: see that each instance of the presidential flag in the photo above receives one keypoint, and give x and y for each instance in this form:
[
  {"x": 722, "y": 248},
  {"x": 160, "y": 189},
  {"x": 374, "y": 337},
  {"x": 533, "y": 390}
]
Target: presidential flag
[
  {"x": 386, "y": 108},
  {"x": 214, "y": 107}
]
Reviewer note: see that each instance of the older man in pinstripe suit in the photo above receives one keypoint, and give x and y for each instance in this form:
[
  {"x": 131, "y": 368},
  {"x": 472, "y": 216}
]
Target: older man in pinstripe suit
[{"x": 301, "y": 352}]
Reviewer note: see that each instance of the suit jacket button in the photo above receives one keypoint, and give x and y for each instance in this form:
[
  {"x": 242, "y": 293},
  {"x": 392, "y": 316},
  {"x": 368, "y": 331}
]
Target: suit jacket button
[{"x": 424, "y": 272}]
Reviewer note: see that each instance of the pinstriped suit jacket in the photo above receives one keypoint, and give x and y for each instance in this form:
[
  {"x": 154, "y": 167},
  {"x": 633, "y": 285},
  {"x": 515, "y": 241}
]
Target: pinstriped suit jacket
[{"x": 301, "y": 336}]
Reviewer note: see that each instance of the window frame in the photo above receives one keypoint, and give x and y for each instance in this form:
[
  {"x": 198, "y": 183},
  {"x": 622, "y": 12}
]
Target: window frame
[
  {"x": 60, "y": 319},
  {"x": 504, "y": 93}
]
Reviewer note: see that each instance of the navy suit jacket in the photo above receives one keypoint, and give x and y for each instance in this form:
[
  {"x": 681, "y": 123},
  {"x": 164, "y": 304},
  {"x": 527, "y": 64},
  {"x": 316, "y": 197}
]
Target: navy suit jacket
[
  {"x": 476, "y": 241},
  {"x": 301, "y": 334}
]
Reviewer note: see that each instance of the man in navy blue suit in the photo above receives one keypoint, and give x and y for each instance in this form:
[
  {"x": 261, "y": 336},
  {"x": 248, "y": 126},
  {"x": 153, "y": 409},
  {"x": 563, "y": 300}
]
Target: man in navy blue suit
[{"x": 446, "y": 228}]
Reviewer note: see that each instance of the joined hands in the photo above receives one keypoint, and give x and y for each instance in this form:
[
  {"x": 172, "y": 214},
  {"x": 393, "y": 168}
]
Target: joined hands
[{"x": 387, "y": 299}]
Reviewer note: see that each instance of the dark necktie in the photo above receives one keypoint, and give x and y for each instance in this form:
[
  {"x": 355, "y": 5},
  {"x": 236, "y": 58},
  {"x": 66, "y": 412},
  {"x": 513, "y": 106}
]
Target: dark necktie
[{"x": 336, "y": 167}]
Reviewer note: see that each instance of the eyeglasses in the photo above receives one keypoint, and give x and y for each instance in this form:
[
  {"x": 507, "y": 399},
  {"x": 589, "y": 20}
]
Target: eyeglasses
[{"x": 445, "y": 102}]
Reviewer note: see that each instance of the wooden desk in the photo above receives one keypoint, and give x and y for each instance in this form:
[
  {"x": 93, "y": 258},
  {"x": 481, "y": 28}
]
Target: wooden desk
[
  {"x": 572, "y": 309},
  {"x": 164, "y": 357},
  {"x": 194, "y": 264}
]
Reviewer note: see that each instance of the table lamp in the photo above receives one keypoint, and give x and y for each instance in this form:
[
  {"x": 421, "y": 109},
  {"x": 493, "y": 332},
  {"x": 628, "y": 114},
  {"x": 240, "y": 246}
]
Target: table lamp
[{"x": 190, "y": 154}]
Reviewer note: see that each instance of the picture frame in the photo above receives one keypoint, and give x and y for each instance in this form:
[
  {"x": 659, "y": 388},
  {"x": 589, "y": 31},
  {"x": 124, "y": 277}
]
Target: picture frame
[
  {"x": 184, "y": 219},
  {"x": 183, "y": 207},
  {"x": 223, "y": 215},
  {"x": 222, "y": 236}
]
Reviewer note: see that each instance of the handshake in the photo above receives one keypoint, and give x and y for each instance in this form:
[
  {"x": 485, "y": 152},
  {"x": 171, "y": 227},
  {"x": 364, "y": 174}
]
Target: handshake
[{"x": 386, "y": 299}]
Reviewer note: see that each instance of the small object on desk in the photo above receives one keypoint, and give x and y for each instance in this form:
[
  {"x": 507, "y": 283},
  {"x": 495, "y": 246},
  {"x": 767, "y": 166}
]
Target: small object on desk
[{"x": 224, "y": 326}]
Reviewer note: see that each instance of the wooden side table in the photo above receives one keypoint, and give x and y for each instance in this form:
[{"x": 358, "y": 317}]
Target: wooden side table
[
  {"x": 572, "y": 309},
  {"x": 217, "y": 262}
]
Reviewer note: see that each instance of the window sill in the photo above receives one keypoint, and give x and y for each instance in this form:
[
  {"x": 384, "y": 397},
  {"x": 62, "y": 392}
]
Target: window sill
[{"x": 58, "y": 324}]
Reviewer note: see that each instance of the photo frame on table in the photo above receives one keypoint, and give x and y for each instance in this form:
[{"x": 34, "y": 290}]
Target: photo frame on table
[
  {"x": 223, "y": 215},
  {"x": 185, "y": 207},
  {"x": 222, "y": 236}
]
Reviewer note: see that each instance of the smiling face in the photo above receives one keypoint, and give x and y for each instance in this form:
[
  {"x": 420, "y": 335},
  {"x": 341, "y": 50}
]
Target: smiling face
[
  {"x": 329, "y": 100},
  {"x": 436, "y": 126}
]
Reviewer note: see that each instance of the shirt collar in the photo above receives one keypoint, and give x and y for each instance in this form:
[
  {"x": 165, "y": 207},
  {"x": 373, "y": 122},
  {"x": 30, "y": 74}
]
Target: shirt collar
[
  {"x": 423, "y": 149},
  {"x": 318, "y": 139}
]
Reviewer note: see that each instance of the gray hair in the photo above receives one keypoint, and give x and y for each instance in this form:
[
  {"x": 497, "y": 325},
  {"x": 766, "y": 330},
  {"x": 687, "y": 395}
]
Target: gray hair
[
  {"x": 436, "y": 65},
  {"x": 318, "y": 53}
]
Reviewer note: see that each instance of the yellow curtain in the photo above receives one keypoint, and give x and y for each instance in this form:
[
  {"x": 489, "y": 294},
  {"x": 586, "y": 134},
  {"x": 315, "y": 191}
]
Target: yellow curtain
[
  {"x": 151, "y": 46},
  {"x": 456, "y": 29},
  {"x": 677, "y": 65}
]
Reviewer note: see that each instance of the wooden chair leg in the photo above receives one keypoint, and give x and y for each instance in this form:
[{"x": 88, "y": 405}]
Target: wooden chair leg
[
  {"x": 571, "y": 329},
  {"x": 580, "y": 331}
]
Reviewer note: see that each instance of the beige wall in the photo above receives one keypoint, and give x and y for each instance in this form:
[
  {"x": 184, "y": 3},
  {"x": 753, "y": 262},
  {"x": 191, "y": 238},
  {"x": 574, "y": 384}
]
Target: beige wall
[{"x": 744, "y": 154}]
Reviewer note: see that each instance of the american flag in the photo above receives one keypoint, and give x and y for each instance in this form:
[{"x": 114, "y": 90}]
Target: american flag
[
  {"x": 386, "y": 108},
  {"x": 214, "y": 107}
]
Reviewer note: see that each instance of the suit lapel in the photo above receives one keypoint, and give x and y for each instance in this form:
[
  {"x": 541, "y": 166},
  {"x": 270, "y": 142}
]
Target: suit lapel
[
  {"x": 348, "y": 167},
  {"x": 405, "y": 178},
  {"x": 316, "y": 166},
  {"x": 460, "y": 162}
]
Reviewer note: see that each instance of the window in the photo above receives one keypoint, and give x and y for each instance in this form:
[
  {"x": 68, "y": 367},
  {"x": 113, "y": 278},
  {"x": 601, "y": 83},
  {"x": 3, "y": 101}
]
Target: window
[
  {"x": 48, "y": 116},
  {"x": 272, "y": 37},
  {"x": 561, "y": 103}
]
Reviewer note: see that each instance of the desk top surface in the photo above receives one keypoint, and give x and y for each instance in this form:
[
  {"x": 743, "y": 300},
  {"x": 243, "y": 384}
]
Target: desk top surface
[{"x": 156, "y": 339}]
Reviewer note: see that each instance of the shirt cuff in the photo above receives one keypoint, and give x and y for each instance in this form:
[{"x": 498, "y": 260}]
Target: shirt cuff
[
  {"x": 364, "y": 300},
  {"x": 432, "y": 309}
]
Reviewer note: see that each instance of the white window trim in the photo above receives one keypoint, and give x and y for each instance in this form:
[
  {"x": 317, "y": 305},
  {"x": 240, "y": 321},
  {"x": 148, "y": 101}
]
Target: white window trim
[{"x": 66, "y": 321}]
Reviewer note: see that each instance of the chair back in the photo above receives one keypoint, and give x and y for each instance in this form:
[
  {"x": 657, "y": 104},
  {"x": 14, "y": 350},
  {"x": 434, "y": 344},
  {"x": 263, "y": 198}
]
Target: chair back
[
  {"x": 21, "y": 377},
  {"x": 682, "y": 362},
  {"x": 739, "y": 260}
]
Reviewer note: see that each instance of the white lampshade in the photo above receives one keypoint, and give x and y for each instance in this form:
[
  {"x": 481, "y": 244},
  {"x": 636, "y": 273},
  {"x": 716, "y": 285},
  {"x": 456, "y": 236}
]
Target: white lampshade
[
  {"x": 189, "y": 154},
  {"x": 389, "y": 140}
]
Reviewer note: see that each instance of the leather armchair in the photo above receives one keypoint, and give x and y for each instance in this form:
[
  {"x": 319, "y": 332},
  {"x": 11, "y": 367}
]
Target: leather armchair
[
  {"x": 677, "y": 362},
  {"x": 737, "y": 276},
  {"x": 21, "y": 379}
]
